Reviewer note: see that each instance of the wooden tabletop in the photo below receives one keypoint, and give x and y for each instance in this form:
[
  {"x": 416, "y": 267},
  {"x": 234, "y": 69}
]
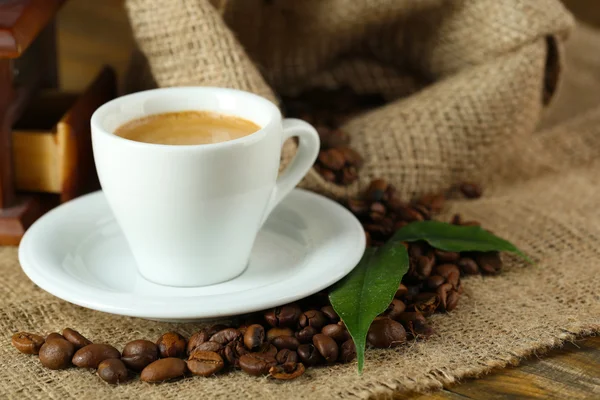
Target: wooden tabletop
[
  {"x": 572, "y": 372},
  {"x": 92, "y": 33}
]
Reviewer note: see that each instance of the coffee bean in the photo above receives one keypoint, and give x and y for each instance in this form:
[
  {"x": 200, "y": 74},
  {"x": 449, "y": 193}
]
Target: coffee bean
[
  {"x": 410, "y": 316},
  {"x": 257, "y": 364},
  {"x": 332, "y": 159},
  {"x": 225, "y": 336},
  {"x": 401, "y": 292},
  {"x": 456, "y": 219},
  {"x": 468, "y": 266},
  {"x": 426, "y": 303},
  {"x": 327, "y": 174},
  {"x": 285, "y": 316},
  {"x": 408, "y": 214},
  {"x": 53, "y": 336},
  {"x": 487, "y": 269},
  {"x": 285, "y": 356},
  {"x": 330, "y": 313},
  {"x": 470, "y": 190},
  {"x": 322, "y": 130},
  {"x": 313, "y": 318},
  {"x": 268, "y": 348},
  {"x": 212, "y": 346},
  {"x": 75, "y": 337},
  {"x": 309, "y": 355},
  {"x": 388, "y": 222},
  {"x": 395, "y": 308},
  {"x": 197, "y": 339},
  {"x": 358, "y": 207},
  {"x": 112, "y": 371},
  {"x": 349, "y": 175},
  {"x": 385, "y": 332},
  {"x": 327, "y": 347},
  {"x": 425, "y": 266},
  {"x": 347, "y": 351},
  {"x": 452, "y": 300},
  {"x": 211, "y": 330},
  {"x": 376, "y": 190},
  {"x": 378, "y": 218},
  {"x": 416, "y": 324},
  {"x": 286, "y": 342},
  {"x": 27, "y": 343},
  {"x": 306, "y": 334},
  {"x": 254, "y": 336},
  {"x": 390, "y": 193},
  {"x": 393, "y": 201},
  {"x": 435, "y": 202},
  {"x": 171, "y": 344},
  {"x": 412, "y": 291},
  {"x": 205, "y": 363},
  {"x": 490, "y": 262},
  {"x": 351, "y": 156},
  {"x": 56, "y": 353},
  {"x": 287, "y": 371},
  {"x": 275, "y": 332},
  {"x": 459, "y": 288},
  {"x": 434, "y": 281},
  {"x": 93, "y": 354},
  {"x": 251, "y": 319},
  {"x": 447, "y": 269},
  {"x": 418, "y": 249},
  {"x": 164, "y": 370},
  {"x": 337, "y": 138},
  {"x": 446, "y": 256},
  {"x": 442, "y": 293},
  {"x": 450, "y": 272},
  {"x": 424, "y": 211},
  {"x": 137, "y": 354},
  {"x": 377, "y": 231},
  {"x": 377, "y": 207},
  {"x": 233, "y": 351},
  {"x": 336, "y": 332}
]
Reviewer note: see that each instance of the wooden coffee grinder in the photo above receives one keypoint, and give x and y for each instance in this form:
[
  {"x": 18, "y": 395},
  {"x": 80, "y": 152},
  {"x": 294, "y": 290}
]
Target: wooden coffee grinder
[{"x": 45, "y": 146}]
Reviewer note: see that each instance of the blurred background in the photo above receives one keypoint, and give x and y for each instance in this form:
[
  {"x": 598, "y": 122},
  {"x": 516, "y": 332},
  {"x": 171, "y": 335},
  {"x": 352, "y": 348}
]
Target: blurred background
[{"x": 92, "y": 33}]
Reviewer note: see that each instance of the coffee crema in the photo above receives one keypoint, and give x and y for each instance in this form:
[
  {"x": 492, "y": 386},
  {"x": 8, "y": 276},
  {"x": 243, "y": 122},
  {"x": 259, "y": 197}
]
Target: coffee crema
[{"x": 186, "y": 128}]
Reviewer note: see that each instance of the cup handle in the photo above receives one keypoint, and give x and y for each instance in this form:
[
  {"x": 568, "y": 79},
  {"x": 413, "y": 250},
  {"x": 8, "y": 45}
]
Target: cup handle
[{"x": 308, "y": 150}]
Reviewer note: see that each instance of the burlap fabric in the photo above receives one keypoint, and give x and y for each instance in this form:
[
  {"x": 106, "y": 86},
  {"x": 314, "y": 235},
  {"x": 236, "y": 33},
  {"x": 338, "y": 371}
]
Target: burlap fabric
[{"x": 466, "y": 84}]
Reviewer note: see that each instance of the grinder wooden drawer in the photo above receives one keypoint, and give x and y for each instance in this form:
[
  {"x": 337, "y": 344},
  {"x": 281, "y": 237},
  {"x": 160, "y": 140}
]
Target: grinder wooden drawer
[{"x": 52, "y": 150}]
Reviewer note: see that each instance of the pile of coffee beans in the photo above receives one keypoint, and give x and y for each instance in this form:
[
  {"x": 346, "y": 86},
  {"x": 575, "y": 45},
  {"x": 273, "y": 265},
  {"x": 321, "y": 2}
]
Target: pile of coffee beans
[
  {"x": 278, "y": 343},
  {"x": 282, "y": 342},
  {"x": 433, "y": 281},
  {"x": 327, "y": 110}
]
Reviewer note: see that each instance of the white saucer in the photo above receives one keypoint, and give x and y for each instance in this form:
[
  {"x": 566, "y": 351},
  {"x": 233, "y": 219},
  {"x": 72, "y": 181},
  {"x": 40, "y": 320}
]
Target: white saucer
[{"x": 78, "y": 253}]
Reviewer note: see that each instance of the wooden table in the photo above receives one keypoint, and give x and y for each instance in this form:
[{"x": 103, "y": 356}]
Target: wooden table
[
  {"x": 95, "y": 33},
  {"x": 569, "y": 373}
]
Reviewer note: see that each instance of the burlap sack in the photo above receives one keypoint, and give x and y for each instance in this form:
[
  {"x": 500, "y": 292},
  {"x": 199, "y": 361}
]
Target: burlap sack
[
  {"x": 466, "y": 83},
  {"x": 462, "y": 77}
]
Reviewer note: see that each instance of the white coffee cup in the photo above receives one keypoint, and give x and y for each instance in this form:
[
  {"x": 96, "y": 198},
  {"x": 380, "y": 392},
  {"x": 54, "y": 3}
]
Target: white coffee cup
[{"x": 191, "y": 213}]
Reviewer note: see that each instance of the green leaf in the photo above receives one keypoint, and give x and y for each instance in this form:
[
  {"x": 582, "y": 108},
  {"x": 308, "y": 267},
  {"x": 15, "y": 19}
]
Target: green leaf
[
  {"x": 457, "y": 238},
  {"x": 368, "y": 290}
]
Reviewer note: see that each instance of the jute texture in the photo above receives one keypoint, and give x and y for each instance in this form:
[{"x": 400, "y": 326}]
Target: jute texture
[{"x": 466, "y": 83}]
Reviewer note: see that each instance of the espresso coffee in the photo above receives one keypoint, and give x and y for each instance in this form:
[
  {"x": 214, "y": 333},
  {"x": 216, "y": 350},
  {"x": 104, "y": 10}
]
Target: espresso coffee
[{"x": 186, "y": 128}]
